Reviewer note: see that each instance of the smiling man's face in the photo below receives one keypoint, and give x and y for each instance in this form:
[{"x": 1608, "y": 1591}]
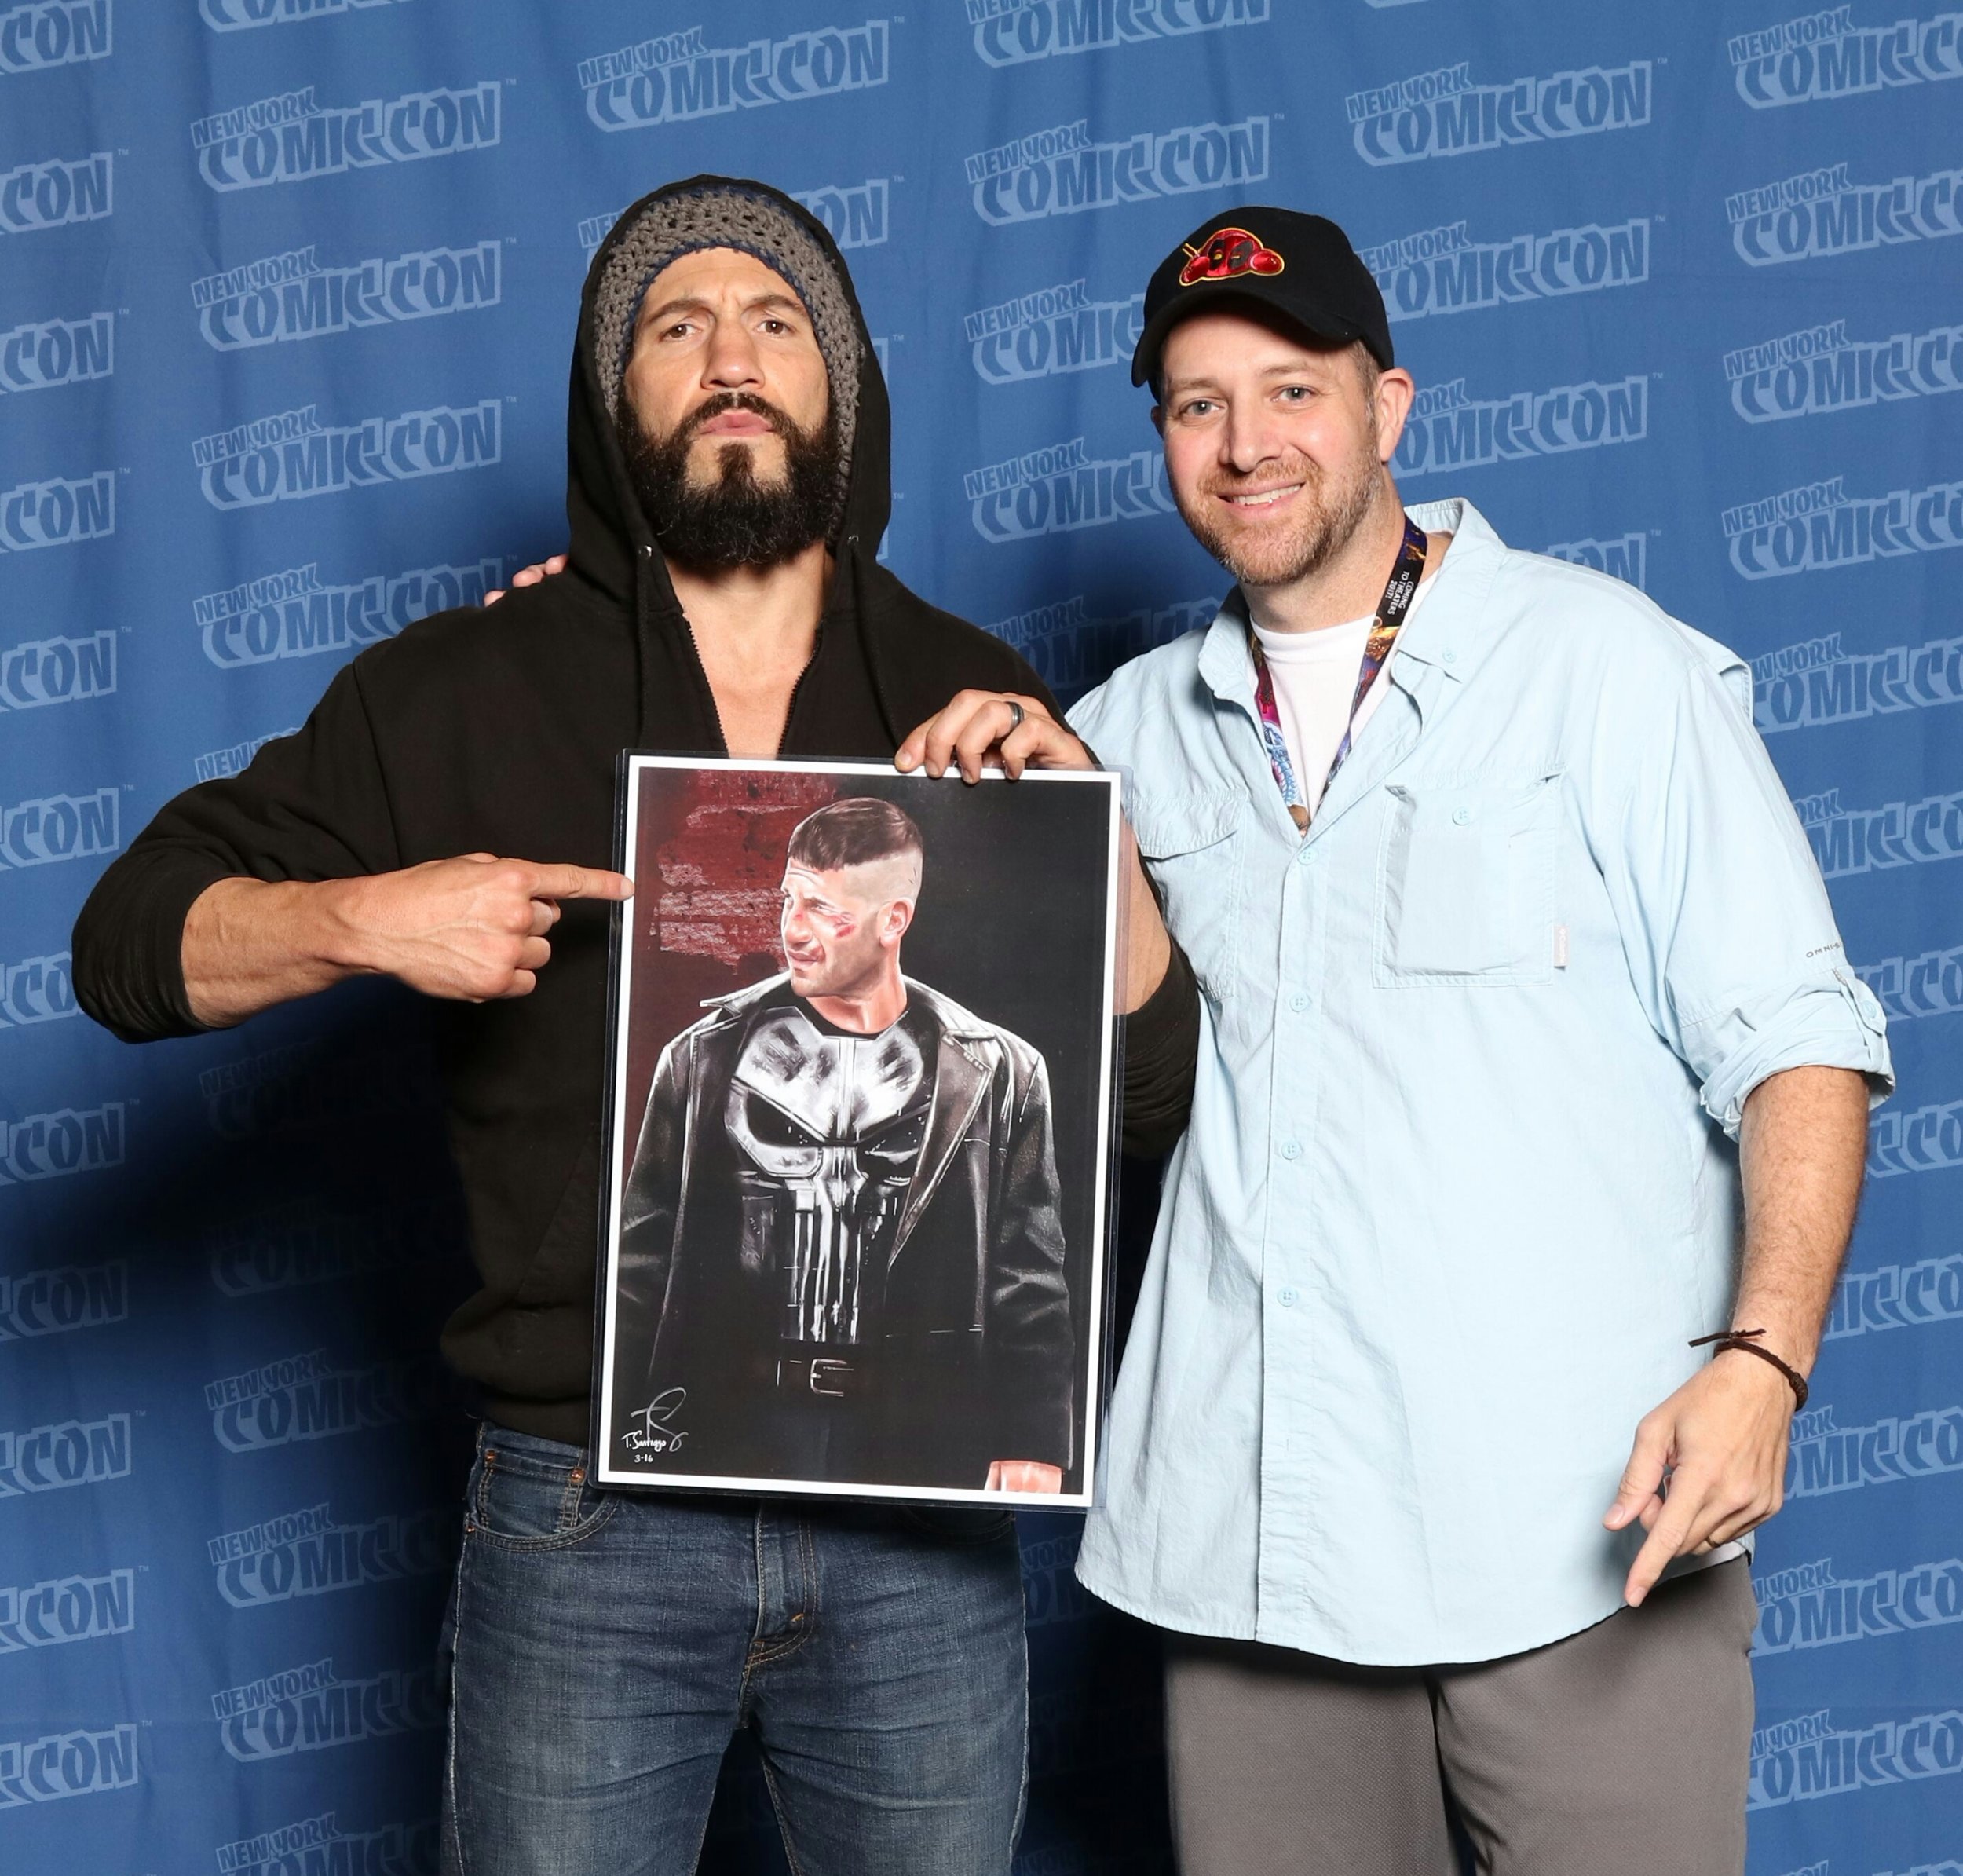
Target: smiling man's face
[{"x": 1274, "y": 449}]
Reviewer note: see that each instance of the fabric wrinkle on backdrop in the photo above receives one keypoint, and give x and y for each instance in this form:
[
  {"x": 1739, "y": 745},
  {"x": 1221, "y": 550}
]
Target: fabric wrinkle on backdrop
[{"x": 287, "y": 290}]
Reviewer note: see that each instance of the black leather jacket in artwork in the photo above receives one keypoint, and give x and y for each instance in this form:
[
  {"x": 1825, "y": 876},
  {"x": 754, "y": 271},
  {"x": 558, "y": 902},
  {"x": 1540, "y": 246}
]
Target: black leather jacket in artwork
[{"x": 973, "y": 1358}]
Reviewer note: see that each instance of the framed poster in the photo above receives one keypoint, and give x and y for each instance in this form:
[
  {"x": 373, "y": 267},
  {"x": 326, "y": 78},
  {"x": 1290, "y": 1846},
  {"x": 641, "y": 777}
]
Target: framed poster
[{"x": 859, "y": 1132}]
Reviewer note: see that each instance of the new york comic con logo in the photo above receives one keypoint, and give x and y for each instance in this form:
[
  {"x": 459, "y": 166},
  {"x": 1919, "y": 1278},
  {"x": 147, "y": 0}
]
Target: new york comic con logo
[
  {"x": 293, "y": 455},
  {"x": 64, "y": 1454},
  {"x": 1059, "y": 490},
  {"x": 58, "y": 671},
  {"x": 1821, "y": 369},
  {"x": 1810, "y": 1757},
  {"x": 1017, "y": 32},
  {"x": 56, "y": 193},
  {"x": 1053, "y": 330},
  {"x": 1449, "y": 428},
  {"x": 1819, "y": 526},
  {"x": 43, "y": 354},
  {"x": 35, "y": 989},
  {"x": 1066, "y": 171},
  {"x": 54, "y": 32},
  {"x": 1825, "y": 55},
  {"x": 1930, "y": 1139},
  {"x": 307, "y": 1397},
  {"x": 1906, "y": 1295},
  {"x": 54, "y": 1146},
  {"x": 295, "y": 614},
  {"x": 50, "y": 828},
  {"x": 307, "y": 1553},
  {"x": 291, "y": 138},
  {"x": 292, "y": 296},
  {"x": 1818, "y": 681},
  {"x": 65, "y": 1609},
  {"x": 236, "y": 16},
  {"x": 1847, "y": 840},
  {"x": 61, "y": 1300},
  {"x": 1824, "y": 211},
  {"x": 70, "y": 1764},
  {"x": 318, "y": 1846},
  {"x": 308, "y": 1708},
  {"x": 854, "y": 214},
  {"x": 1929, "y": 985},
  {"x": 1808, "y": 1607},
  {"x": 678, "y": 78},
  {"x": 307, "y": 1240},
  {"x": 57, "y": 512},
  {"x": 1825, "y": 1458},
  {"x": 1444, "y": 270},
  {"x": 1445, "y": 113}
]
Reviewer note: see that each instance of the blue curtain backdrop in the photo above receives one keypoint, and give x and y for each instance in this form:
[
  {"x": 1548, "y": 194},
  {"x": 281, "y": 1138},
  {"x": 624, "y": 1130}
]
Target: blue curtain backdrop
[{"x": 286, "y": 293}]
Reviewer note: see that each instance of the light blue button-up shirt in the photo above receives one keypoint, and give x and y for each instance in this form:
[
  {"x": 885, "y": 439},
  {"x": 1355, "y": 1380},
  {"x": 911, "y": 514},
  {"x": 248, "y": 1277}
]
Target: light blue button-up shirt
[{"x": 1458, "y": 1187}]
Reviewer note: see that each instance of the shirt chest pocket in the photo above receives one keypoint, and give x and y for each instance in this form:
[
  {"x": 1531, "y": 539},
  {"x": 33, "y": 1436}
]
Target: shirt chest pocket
[
  {"x": 1465, "y": 884},
  {"x": 1192, "y": 850}
]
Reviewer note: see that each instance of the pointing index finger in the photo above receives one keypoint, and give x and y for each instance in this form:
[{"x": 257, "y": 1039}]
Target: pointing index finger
[
  {"x": 579, "y": 882},
  {"x": 1669, "y": 1537}
]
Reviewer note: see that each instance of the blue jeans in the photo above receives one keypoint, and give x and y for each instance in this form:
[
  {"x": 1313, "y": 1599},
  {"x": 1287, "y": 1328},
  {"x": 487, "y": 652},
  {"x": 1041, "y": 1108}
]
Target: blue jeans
[{"x": 606, "y": 1648}]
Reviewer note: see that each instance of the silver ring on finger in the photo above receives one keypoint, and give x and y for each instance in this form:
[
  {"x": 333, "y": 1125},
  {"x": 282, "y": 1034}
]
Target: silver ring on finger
[{"x": 1019, "y": 714}]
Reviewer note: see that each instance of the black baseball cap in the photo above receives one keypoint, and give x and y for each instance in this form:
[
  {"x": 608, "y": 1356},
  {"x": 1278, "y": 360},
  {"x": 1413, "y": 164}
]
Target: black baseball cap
[{"x": 1300, "y": 266}]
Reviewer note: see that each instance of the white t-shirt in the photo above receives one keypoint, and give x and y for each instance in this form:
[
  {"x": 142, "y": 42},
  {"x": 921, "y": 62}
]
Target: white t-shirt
[{"x": 1315, "y": 676}]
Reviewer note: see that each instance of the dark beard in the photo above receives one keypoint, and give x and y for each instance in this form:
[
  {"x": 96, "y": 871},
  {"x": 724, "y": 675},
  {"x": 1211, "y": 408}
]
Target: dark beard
[{"x": 735, "y": 520}]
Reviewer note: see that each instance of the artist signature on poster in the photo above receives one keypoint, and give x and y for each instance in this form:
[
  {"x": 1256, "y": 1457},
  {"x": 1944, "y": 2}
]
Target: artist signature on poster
[{"x": 653, "y": 1434}]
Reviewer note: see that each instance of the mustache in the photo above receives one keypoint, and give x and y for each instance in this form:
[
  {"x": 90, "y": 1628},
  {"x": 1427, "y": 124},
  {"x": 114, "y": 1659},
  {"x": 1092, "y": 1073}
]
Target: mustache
[
  {"x": 1269, "y": 475},
  {"x": 725, "y": 401}
]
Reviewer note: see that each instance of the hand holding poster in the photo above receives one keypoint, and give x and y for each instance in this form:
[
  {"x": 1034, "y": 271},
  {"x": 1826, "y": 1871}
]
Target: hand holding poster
[{"x": 860, "y": 1146}]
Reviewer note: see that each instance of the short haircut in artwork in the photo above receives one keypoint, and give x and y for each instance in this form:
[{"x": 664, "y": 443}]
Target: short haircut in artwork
[{"x": 855, "y": 831}]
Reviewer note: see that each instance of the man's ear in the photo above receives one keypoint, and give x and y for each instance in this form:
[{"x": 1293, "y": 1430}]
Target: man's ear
[
  {"x": 895, "y": 921},
  {"x": 1393, "y": 396},
  {"x": 1158, "y": 418}
]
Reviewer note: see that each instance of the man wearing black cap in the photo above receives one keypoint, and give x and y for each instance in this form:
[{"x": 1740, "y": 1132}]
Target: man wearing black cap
[
  {"x": 449, "y": 804},
  {"x": 1502, "y": 924}
]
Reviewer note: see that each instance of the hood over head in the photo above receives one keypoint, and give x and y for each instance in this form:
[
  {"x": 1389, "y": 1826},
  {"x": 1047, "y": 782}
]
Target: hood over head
[{"x": 608, "y": 530}]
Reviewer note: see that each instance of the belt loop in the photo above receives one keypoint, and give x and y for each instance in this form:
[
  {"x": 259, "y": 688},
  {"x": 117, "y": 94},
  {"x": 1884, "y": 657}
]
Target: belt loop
[{"x": 570, "y": 1499}]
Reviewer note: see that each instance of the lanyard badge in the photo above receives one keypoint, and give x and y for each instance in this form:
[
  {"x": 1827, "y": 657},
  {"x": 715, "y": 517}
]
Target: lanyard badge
[{"x": 1390, "y": 612}]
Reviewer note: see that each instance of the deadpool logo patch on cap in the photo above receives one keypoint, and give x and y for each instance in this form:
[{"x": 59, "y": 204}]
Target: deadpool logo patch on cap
[{"x": 1229, "y": 252}]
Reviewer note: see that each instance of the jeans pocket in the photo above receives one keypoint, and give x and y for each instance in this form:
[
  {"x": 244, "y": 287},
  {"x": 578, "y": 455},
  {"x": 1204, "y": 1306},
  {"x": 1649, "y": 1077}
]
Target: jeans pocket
[{"x": 519, "y": 1499}]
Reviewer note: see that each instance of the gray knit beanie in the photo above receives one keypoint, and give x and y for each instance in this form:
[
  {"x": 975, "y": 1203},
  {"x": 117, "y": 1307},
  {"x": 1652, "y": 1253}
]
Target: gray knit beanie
[{"x": 756, "y": 222}]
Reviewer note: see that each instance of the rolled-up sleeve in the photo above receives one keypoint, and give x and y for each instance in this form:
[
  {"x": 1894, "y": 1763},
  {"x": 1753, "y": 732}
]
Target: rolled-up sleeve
[{"x": 1730, "y": 935}]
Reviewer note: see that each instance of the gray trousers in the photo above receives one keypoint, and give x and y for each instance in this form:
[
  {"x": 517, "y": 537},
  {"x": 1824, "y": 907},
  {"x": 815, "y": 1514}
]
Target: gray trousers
[{"x": 1623, "y": 1751}]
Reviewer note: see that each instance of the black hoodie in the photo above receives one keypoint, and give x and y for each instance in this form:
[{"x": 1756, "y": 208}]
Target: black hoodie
[{"x": 498, "y": 730}]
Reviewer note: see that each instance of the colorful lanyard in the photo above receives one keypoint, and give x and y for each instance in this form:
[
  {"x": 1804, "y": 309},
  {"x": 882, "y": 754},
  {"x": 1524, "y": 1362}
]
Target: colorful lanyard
[{"x": 1391, "y": 612}]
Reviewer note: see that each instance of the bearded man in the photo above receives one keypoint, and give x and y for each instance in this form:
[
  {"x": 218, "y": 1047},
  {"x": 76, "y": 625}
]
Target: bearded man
[
  {"x": 841, "y": 1252},
  {"x": 1528, "y": 1059},
  {"x": 445, "y": 818}
]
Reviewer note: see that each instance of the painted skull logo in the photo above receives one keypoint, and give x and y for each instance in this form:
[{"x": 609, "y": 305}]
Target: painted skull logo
[{"x": 827, "y": 1130}]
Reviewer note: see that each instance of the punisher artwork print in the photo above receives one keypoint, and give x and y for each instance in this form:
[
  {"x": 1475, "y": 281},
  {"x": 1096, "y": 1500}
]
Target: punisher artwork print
[{"x": 860, "y": 1133}]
